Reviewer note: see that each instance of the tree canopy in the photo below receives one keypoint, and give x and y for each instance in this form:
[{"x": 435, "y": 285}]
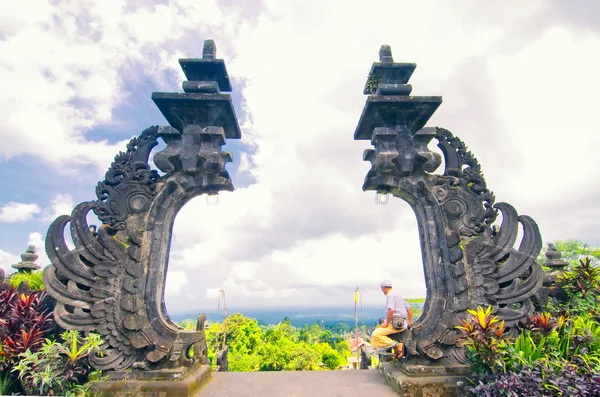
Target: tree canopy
[{"x": 281, "y": 347}]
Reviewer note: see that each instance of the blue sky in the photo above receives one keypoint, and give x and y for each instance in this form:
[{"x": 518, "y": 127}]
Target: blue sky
[{"x": 519, "y": 82}]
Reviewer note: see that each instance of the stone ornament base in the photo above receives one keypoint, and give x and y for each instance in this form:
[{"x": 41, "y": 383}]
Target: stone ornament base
[
  {"x": 163, "y": 383},
  {"x": 428, "y": 384}
]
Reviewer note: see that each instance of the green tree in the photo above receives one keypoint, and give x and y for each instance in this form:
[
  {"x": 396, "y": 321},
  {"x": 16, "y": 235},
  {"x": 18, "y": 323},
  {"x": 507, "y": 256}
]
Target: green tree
[
  {"x": 281, "y": 331},
  {"x": 342, "y": 348},
  {"x": 276, "y": 354},
  {"x": 572, "y": 250},
  {"x": 326, "y": 337},
  {"x": 302, "y": 358},
  {"x": 304, "y": 335},
  {"x": 243, "y": 334},
  {"x": 330, "y": 357},
  {"x": 244, "y": 362},
  {"x": 315, "y": 332},
  {"x": 342, "y": 328}
]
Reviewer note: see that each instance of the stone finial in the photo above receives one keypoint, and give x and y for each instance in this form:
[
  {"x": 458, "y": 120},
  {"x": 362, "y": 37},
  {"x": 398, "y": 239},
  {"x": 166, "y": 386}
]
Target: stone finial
[
  {"x": 554, "y": 258},
  {"x": 28, "y": 259},
  {"x": 385, "y": 54},
  {"x": 210, "y": 49}
]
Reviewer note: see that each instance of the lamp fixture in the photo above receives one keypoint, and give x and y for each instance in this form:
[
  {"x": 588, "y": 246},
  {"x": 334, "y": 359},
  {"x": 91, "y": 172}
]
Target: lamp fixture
[{"x": 382, "y": 198}]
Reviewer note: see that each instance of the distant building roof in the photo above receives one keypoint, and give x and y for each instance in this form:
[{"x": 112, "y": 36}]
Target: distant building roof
[{"x": 354, "y": 343}]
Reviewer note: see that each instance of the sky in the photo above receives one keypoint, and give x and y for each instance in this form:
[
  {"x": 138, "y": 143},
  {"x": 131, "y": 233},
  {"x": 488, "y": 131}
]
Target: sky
[{"x": 520, "y": 87}]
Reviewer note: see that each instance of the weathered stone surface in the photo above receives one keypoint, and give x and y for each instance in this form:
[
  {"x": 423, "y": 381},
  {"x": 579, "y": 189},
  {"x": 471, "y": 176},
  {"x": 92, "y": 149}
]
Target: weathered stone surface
[
  {"x": 113, "y": 282},
  {"x": 162, "y": 383},
  {"x": 440, "y": 383},
  {"x": 297, "y": 384},
  {"x": 28, "y": 259},
  {"x": 467, "y": 262}
]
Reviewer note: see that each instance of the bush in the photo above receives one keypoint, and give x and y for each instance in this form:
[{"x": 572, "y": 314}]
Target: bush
[
  {"x": 557, "y": 353},
  {"x": 58, "y": 368},
  {"x": 24, "y": 322},
  {"x": 33, "y": 279}
]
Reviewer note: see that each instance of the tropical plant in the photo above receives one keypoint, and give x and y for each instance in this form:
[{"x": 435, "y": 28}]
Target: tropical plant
[
  {"x": 24, "y": 322},
  {"x": 543, "y": 323},
  {"x": 539, "y": 380},
  {"x": 557, "y": 352},
  {"x": 33, "y": 279},
  {"x": 526, "y": 351},
  {"x": 483, "y": 337},
  {"x": 58, "y": 368},
  {"x": 583, "y": 279},
  {"x": 574, "y": 250}
]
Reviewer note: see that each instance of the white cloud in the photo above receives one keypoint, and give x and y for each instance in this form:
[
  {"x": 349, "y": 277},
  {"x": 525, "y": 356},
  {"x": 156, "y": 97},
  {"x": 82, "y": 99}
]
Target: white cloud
[
  {"x": 68, "y": 63},
  {"x": 18, "y": 212},
  {"x": 61, "y": 204},
  {"x": 7, "y": 260},
  {"x": 305, "y": 233},
  {"x": 551, "y": 118},
  {"x": 36, "y": 239},
  {"x": 177, "y": 280}
]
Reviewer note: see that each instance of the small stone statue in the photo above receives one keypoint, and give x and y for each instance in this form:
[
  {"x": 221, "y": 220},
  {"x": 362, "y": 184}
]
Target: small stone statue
[
  {"x": 28, "y": 259},
  {"x": 554, "y": 262}
]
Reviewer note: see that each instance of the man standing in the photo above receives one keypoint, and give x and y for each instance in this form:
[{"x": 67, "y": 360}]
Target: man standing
[{"x": 397, "y": 309}]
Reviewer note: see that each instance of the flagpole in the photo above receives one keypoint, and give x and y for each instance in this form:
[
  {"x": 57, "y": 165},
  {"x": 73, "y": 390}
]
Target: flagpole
[{"x": 356, "y": 325}]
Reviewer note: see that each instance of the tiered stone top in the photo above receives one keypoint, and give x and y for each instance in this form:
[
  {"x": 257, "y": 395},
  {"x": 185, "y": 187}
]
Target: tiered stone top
[
  {"x": 202, "y": 103},
  {"x": 28, "y": 259},
  {"x": 554, "y": 260},
  {"x": 389, "y": 104}
]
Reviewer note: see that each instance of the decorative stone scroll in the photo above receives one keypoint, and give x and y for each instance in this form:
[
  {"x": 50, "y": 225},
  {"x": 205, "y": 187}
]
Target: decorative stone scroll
[
  {"x": 113, "y": 282},
  {"x": 468, "y": 261}
]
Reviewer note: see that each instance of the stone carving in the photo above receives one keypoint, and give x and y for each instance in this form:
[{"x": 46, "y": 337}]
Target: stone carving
[
  {"x": 553, "y": 259},
  {"x": 552, "y": 286},
  {"x": 468, "y": 261},
  {"x": 28, "y": 259},
  {"x": 113, "y": 281}
]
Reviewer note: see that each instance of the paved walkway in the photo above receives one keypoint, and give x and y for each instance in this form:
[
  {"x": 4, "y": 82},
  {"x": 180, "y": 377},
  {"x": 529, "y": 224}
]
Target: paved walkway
[{"x": 298, "y": 384}]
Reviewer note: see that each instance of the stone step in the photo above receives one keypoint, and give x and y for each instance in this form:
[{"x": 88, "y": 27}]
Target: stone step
[{"x": 298, "y": 384}]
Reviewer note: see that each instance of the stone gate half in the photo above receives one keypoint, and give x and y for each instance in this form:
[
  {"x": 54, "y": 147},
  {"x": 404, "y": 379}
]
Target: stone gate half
[{"x": 468, "y": 261}]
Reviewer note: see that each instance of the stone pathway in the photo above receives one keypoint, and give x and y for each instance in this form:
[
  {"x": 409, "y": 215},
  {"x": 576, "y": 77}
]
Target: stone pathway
[{"x": 298, "y": 384}]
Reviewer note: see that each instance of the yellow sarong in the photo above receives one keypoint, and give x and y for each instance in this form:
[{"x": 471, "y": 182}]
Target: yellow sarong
[{"x": 379, "y": 337}]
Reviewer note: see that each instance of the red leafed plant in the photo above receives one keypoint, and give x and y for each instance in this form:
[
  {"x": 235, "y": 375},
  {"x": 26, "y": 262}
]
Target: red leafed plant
[
  {"x": 24, "y": 321},
  {"x": 483, "y": 336},
  {"x": 543, "y": 323}
]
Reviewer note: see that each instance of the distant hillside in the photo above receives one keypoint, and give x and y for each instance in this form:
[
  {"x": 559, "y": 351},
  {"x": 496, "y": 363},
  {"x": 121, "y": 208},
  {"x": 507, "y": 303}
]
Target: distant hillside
[{"x": 299, "y": 316}]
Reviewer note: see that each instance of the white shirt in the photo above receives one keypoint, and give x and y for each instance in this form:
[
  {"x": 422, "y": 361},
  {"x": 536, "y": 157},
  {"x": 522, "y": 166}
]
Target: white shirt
[{"x": 396, "y": 302}]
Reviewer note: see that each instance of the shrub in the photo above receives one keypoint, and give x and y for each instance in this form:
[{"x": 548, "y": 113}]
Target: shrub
[
  {"x": 557, "y": 352},
  {"x": 58, "y": 368},
  {"x": 483, "y": 338},
  {"x": 24, "y": 321},
  {"x": 33, "y": 279}
]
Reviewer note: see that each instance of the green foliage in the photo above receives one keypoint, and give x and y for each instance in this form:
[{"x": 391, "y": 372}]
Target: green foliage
[
  {"x": 24, "y": 321},
  {"x": 526, "y": 350},
  {"x": 557, "y": 353},
  {"x": 583, "y": 279},
  {"x": 483, "y": 337},
  {"x": 188, "y": 325},
  {"x": 58, "y": 368},
  {"x": 33, "y": 279},
  {"x": 7, "y": 382},
  {"x": 330, "y": 357},
  {"x": 280, "y": 347},
  {"x": 574, "y": 250},
  {"x": 244, "y": 362},
  {"x": 372, "y": 84},
  {"x": 303, "y": 358}
]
